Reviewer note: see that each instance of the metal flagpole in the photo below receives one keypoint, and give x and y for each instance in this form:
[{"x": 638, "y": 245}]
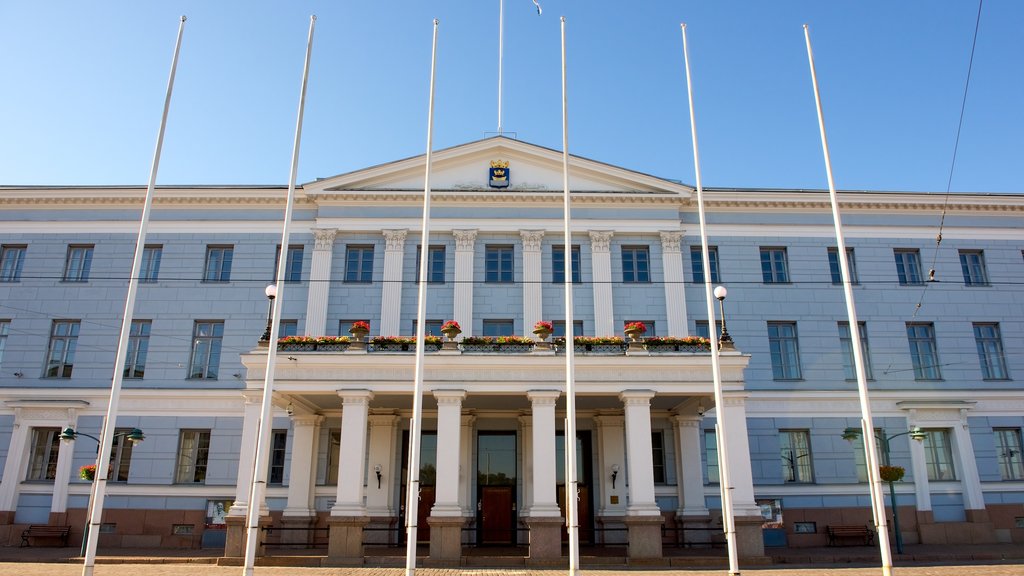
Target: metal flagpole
[
  {"x": 99, "y": 485},
  {"x": 416, "y": 424},
  {"x": 572, "y": 481},
  {"x": 868, "y": 428},
  {"x": 501, "y": 54},
  {"x": 725, "y": 484},
  {"x": 259, "y": 469}
]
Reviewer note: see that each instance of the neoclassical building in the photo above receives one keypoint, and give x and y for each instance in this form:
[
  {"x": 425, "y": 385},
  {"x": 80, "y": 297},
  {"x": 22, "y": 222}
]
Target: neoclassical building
[{"x": 940, "y": 323}]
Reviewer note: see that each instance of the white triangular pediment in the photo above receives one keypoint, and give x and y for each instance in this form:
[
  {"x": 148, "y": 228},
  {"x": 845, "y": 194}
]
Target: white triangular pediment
[{"x": 467, "y": 167}]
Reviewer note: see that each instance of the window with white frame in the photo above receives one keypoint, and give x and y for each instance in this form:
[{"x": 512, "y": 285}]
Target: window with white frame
[
  {"x": 924, "y": 352},
  {"x": 206, "y": 343},
  {"x": 846, "y": 342},
  {"x": 711, "y": 456},
  {"x": 498, "y": 264},
  {"x": 558, "y": 264},
  {"x": 785, "y": 351},
  {"x": 972, "y": 264},
  {"x": 636, "y": 264},
  {"x": 908, "y": 266},
  {"x": 218, "y": 263},
  {"x": 834, "y": 269},
  {"x": 60, "y": 357},
  {"x": 193, "y": 456},
  {"x": 138, "y": 349},
  {"x": 292, "y": 267},
  {"x": 938, "y": 454},
  {"x": 795, "y": 450},
  {"x": 12, "y": 258},
  {"x": 359, "y": 264},
  {"x": 435, "y": 264},
  {"x": 78, "y": 263},
  {"x": 1008, "y": 452},
  {"x": 43, "y": 452},
  {"x": 150, "y": 270},
  {"x": 774, "y": 265},
  {"x": 989, "y": 342},
  {"x": 697, "y": 264}
]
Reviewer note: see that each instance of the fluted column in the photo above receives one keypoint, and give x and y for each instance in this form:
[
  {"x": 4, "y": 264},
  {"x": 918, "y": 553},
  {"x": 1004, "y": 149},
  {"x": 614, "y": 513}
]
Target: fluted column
[
  {"x": 464, "y": 241},
  {"x": 601, "y": 262},
  {"x": 675, "y": 295},
  {"x": 532, "y": 298},
  {"x": 449, "y": 412},
  {"x": 391, "y": 291},
  {"x": 319, "y": 282},
  {"x": 352, "y": 453},
  {"x": 545, "y": 502}
]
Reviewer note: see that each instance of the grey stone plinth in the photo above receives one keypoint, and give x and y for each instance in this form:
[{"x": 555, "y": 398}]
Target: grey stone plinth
[
  {"x": 749, "y": 537},
  {"x": 644, "y": 536},
  {"x": 445, "y": 540},
  {"x": 694, "y": 529},
  {"x": 297, "y": 529},
  {"x": 234, "y": 544},
  {"x": 345, "y": 540},
  {"x": 545, "y": 538}
]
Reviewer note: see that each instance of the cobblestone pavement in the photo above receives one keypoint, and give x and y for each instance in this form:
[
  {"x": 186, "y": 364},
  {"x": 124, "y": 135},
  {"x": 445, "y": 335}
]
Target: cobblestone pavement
[{"x": 51, "y": 569}]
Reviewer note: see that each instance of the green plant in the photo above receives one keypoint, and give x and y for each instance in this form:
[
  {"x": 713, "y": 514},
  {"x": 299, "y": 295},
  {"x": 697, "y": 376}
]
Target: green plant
[
  {"x": 391, "y": 340},
  {"x": 297, "y": 340},
  {"x": 333, "y": 340},
  {"x": 677, "y": 341},
  {"x": 891, "y": 473},
  {"x": 513, "y": 340}
]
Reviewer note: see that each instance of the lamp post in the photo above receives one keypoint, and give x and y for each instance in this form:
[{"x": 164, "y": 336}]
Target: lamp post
[
  {"x": 724, "y": 340},
  {"x": 69, "y": 434},
  {"x": 271, "y": 292},
  {"x": 915, "y": 433}
]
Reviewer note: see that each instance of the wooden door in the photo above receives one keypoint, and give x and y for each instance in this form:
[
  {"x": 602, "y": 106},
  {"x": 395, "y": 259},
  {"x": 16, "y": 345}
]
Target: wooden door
[
  {"x": 497, "y": 515},
  {"x": 582, "y": 509}
]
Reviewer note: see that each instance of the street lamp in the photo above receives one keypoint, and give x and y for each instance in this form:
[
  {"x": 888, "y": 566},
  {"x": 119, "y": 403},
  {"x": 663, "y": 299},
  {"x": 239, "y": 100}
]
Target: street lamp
[
  {"x": 69, "y": 434},
  {"x": 724, "y": 340},
  {"x": 915, "y": 433},
  {"x": 271, "y": 292}
]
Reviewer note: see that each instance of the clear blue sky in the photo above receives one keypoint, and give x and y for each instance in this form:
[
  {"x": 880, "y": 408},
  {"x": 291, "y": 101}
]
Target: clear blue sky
[{"x": 83, "y": 84}]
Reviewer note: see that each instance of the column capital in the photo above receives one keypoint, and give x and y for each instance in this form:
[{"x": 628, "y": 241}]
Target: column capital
[
  {"x": 324, "y": 238},
  {"x": 543, "y": 397},
  {"x": 636, "y": 397},
  {"x": 464, "y": 239},
  {"x": 307, "y": 420},
  {"x": 468, "y": 419},
  {"x": 671, "y": 241},
  {"x": 394, "y": 240},
  {"x": 600, "y": 240},
  {"x": 355, "y": 396},
  {"x": 531, "y": 240},
  {"x": 379, "y": 419},
  {"x": 686, "y": 421},
  {"x": 608, "y": 420},
  {"x": 735, "y": 400},
  {"x": 449, "y": 396},
  {"x": 252, "y": 396}
]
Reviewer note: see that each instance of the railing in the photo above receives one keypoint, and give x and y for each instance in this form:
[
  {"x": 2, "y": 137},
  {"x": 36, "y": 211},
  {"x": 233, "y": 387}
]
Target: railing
[{"x": 582, "y": 349}]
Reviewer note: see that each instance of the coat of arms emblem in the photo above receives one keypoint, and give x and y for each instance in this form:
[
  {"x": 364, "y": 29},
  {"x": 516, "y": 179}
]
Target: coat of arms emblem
[{"x": 498, "y": 174}]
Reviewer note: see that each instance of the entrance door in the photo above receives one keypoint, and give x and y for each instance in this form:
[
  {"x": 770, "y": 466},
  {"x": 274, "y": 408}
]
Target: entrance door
[
  {"x": 584, "y": 472},
  {"x": 428, "y": 478},
  {"x": 496, "y": 488}
]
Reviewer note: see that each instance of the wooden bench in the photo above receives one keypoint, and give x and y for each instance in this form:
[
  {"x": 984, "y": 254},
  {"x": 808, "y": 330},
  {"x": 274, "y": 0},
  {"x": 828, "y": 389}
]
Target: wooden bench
[
  {"x": 44, "y": 531},
  {"x": 859, "y": 531}
]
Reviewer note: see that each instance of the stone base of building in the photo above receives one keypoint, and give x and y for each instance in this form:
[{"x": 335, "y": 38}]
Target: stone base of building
[
  {"x": 545, "y": 539},
  {"x": 644, "y": 536},
  {"x": 234, "y": 543},
  {"x": 976, "y": 529},
  {"x": 345, "y": 540},
  {"x": 445, "y": 540},
  {"x": 693, "y": 530},
  {"x": 297, "y": 529},
  {"x": 749, "y": 537}
]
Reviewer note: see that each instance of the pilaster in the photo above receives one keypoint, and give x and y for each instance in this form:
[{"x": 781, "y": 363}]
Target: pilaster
[
  {"x": 532, "y": 285},
  {"x": 601, "y": 262},
  {"x": 391, "y": 291},
  {"x": 464, "y": 242},
  {"x": 675, "y": 294},
  {"x": 319, "y": 281}
]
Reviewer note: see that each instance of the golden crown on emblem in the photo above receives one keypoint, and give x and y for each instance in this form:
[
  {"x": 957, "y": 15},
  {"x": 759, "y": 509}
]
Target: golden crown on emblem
[{"x": 499, "y": 163}]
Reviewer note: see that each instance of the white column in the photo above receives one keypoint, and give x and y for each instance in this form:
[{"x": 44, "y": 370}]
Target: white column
[
  {"x": 391, "y": 292},
  {"x": 15, "y": 465},
  {"x": 675, "y": 289},
  {"x": 640, "y": 458},
  {"x": 247, "y": 452},
  {"x": 688, "y": 467},
  {"x": 467, "y": 469},
  {"x": 740, "y": 473},
  {"x": 449, "y": 432},
  {"x": 65, "y": 455},
  {"x": 464, "y": 240},
  {"x": 319, "y": 282},
  {"x": 383, "y": 438},
  {"x": 545, "y": 501},
  {"x": 919, "y": 467},
  {"x": 532, "y": 299},
  {"x": 301, "y": 471},
  {"x": 611, "y": 451},
  {"x": 352, "y": 453},
  {"x": 601, "y": 262},
  {"x": 968, "y": 466}
]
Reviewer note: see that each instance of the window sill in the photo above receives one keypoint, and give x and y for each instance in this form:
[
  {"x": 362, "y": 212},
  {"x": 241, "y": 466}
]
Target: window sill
[
  {"x": 71, "y": 281},
  {"x": 787, "y": 283},
  {"x": 204, "y": 281}
]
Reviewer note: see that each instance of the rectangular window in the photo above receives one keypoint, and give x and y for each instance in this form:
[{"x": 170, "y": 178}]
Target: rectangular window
[
  {"x": 697, "y": 263},
  {"x": 795, "y": 446},
  {"x": 785, "y": 351},
  {"x": 333, "y": 452},
  {"x": 636, "y": 264},
  {"x": 138, "y": 347},
  {"x": 558, "y": 264},
  {"x": 435, "y": 264},
  {"x": 206, "y": 341},
  {"x": 1008, "y": 451},
  {"x": 648, "y": 323},
  {"x": 42, "y": 460},
  {"x": 658, "y": 454},
  {"x": 990, "y": 351},
  {"x": 5, "y": 328},
  {"x": 938, "y": 455},
  {"x": 150, "y": 270},
  {"x": 120, "y": 456},
  {"x": 78, "y": 263},
  {"x": 558, "y": 328},
  {"x": 924, "y": 352},
  {"x": 359, "y": 264},
  {"x": 60, "y": 358},
  {"x": 193, "y": 454},
  {"x": 701, "y": 328},
  {"x": 846, "y": 342},
  {"x": 972, "y": 263},
  {"x": 278, "y": 443},
  {"x": 860, "y": 458},
  {"x": 498, "y": 264},
  {"x": 288, "y": 328},
  {"x": 293, "y": 267},
  {"x": 834, "y": 269},
  {"x": 218, "y": 263},
  {"x": 908, "y": 266},
  {"x": 499, "y": 328},
  {"x": 711, "y": 455},
  {"x": 12, "y": 258},
  {"x": 774, "y": 266},
  {"x": 433, "y": 327}
]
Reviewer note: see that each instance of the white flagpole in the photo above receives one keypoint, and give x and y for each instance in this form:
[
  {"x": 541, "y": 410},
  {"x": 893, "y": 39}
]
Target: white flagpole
[
  {"x": 725, "y": 483},
  {"x": 501, "y": 54},
  {"x": 416, "y": 423},
  {"x": 571, "y": 477},
  {"x": 259, "y": 469},
  {"x": 99, "y": 485},
  {"x": 868, "y": 427}
]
